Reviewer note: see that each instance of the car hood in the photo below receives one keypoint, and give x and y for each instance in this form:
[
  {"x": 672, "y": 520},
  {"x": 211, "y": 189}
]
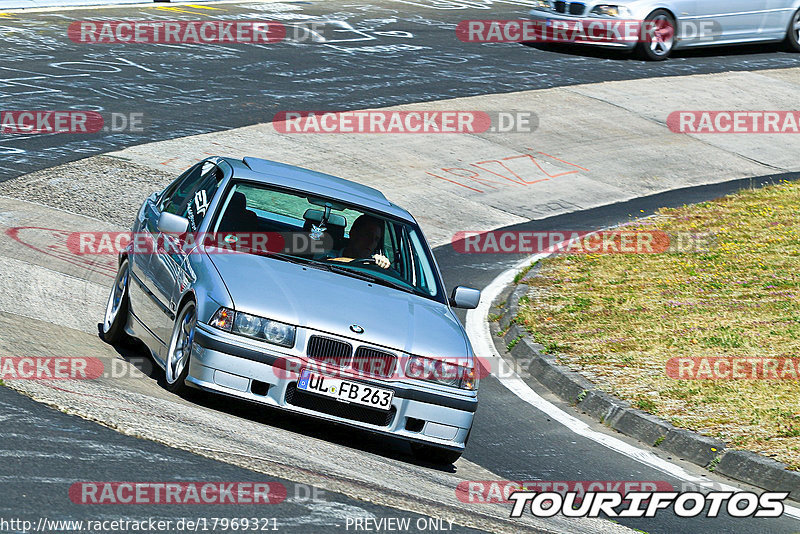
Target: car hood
[{"x": 331, "y": 302}]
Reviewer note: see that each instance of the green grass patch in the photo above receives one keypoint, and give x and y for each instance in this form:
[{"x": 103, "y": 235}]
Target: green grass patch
[
  {"x": 520, "y": 275},
  {"x": 645, "y": 404},
  {"x": 621, "y": 317}
]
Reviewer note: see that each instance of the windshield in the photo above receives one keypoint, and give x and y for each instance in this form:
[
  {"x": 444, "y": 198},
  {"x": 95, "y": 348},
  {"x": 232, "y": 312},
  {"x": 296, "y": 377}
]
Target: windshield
[{"x": 342, "y": 238}]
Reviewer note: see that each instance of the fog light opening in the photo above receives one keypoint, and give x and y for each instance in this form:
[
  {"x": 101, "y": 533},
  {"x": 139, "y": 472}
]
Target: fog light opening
[
  {"x": 414, "y": 425},
  {"x": 259, "y": 388}
]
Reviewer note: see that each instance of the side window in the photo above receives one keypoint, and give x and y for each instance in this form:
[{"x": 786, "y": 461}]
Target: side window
[
  {"x": 174, "y": 197},
  {"x": 199, "y": 198},
  {"x": 405, "y": 259},
  {"x": 425, "y": 270},
  {"x": 190, "y": 195},
  {"x": 390, "y": 243}
]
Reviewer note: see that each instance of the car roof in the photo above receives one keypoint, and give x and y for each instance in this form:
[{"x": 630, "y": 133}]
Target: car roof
[{"x": 317, "y": 183}]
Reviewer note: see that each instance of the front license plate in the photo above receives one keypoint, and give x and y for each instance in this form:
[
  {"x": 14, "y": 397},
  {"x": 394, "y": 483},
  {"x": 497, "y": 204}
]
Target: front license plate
[{"x": 346, "y": 391}]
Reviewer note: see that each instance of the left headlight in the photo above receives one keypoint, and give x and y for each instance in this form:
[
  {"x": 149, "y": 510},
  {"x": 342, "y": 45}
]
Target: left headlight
[
  {"x": 441, "y": 372},
  {"x": 255, "y": 327},
  {"x": 608, "y": 10},
  {"x": 542, "y": 4}
]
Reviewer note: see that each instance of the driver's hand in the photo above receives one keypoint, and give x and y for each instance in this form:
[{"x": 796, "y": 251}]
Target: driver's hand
[{"x": 382, "y": 261}]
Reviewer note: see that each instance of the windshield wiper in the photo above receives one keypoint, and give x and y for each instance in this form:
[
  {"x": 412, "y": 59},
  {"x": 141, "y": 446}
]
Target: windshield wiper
[
  {"x": 293, "y": 259},
  {"x": 361, "y": 275},
  {"x": 369, "y": 278}
]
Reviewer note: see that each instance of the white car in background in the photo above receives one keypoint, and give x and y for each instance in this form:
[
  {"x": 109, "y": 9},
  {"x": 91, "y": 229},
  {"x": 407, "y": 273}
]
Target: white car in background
[{"x": 698, "y": 22}]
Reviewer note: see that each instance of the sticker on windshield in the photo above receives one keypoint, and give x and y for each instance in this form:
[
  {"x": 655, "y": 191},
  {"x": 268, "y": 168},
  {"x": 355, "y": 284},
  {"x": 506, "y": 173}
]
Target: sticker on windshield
[{"x": 201, "y": 202}]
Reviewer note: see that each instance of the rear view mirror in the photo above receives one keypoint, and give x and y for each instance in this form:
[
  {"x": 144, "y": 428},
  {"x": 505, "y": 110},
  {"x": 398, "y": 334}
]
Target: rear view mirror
[
  {"x": 169, "y": 223},
  {"x": 316, "y": 216},
  {"x": 465, "y": 297}
]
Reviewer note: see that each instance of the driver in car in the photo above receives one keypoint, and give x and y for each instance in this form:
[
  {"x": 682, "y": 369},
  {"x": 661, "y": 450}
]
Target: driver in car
[{"x": 365, "y": 236}]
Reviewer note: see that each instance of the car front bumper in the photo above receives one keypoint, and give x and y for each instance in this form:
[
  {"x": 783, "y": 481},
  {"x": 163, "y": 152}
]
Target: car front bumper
[
  {"x": 224, "y": 363},
  {"x": 547, "y": 17}
]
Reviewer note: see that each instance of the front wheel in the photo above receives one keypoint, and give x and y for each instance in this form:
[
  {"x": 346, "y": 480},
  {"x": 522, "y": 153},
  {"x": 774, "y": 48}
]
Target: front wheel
[
  {"x": 657, "y": 36},
  {"x": 180, "y": 348},
  {"x": 434, "y": 455},
  {"x": 793, "y": 33},
  {"x": 117, "y": 307}
]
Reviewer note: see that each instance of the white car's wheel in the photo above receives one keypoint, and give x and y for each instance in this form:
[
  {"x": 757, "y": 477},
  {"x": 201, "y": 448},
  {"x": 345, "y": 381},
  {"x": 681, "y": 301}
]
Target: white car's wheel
[
  {"x": 657, "y": 38},
  {"x": 793, "y": 33}
]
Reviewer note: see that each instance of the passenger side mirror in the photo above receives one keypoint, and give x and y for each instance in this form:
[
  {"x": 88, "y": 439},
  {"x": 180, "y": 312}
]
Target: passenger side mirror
[
  {"x": 465, "y": 297},
  {"x": 169, "y": 223}
]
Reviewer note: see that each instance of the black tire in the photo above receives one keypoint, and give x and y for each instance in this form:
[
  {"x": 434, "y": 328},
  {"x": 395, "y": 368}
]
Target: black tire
[
  {"x": 179, "y": 349},
  {"x": 113, "y": 327},
  {"x": 645, "y": 48},
  {"x": 434, "y": 455},
  {"x": 792, "y": 41}
]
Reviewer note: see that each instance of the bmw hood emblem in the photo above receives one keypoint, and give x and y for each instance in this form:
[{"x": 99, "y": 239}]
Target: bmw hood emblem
[{"x": 357, "y": 329}]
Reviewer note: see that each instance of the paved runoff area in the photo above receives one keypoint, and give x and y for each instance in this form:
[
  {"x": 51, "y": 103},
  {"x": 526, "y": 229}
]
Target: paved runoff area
[{"x": 594, "y": 145}]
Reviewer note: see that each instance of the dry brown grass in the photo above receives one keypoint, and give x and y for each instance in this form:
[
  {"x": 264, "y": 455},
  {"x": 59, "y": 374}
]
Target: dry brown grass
[{"x": 618, "y": 318}]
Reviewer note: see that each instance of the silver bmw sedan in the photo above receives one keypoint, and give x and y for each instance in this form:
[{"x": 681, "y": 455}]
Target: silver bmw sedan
[{"x": 301, "y": 291}]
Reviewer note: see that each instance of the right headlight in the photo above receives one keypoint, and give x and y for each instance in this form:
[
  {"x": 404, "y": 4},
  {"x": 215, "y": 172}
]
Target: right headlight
[
  {"x": 609, "y": 10},
  {"x": 441, "y": 372},
  {"x": 542, "y": 4},
  {"x": 255, "y": 327}
]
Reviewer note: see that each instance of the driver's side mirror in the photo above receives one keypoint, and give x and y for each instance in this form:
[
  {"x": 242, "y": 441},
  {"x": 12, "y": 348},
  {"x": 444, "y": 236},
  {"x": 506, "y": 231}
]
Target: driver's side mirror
[
  {"x": 169, "y": 223},
  {"x": 465, "y": 297}
]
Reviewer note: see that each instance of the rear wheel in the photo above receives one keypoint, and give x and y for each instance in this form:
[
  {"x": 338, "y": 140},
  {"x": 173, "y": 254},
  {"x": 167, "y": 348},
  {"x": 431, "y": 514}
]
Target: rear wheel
[
  {"x": 434, "y": 455},
  {"x": 117, "y": 307},
  {"x": 180, "y": 348},
  {"x": 657, "y": 36},
  {"x": 793, "y": 33}
]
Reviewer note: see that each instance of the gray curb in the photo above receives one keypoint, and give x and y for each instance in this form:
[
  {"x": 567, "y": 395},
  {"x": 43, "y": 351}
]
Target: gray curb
[{"x": 572, "y": 387}]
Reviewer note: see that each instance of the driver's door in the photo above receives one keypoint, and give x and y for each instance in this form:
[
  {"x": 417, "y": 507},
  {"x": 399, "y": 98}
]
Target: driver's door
[
  {"x": 169, "y": 265},
  {"x": 145, "y": 304}
]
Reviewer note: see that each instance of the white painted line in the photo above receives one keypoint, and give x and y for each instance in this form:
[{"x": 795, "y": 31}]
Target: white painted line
[{"x": 481, "y": 338}]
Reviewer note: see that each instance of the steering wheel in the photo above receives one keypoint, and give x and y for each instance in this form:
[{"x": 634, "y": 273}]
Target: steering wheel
[
  {"x": 363, "y": 261},
  {"x": 373, "y": 266}
]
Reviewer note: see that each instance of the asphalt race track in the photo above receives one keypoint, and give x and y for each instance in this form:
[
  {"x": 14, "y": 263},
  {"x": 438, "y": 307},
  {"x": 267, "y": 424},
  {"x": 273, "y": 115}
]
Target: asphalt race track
[
  {"x": 45, "y": 451},
  {"x": 395, "y": 52}
]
